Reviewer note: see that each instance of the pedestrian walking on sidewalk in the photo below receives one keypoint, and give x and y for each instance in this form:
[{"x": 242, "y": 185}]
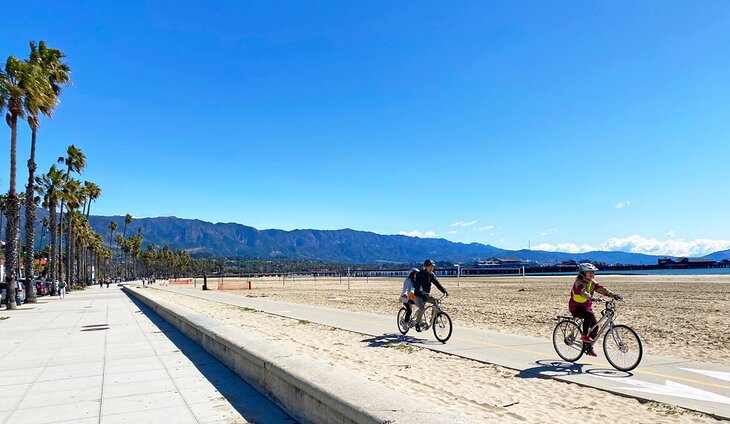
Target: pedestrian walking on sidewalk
[{"x": 62, "y": 289}]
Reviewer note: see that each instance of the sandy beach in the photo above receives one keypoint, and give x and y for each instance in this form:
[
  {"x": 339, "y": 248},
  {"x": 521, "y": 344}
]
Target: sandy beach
[
  {"x": 483, "y": 392},
  {"x": 682, "y": 316}
]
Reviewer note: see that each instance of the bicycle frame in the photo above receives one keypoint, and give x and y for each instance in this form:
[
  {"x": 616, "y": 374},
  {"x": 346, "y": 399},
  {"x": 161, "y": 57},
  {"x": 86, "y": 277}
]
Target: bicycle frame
[
  {"x": 605, "y": 321},
  {"x": 436, "y": 309}
]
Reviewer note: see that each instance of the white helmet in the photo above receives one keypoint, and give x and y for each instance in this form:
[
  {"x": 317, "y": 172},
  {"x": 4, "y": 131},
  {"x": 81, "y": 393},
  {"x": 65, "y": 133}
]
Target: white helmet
[{"x": 587, "y": 267}]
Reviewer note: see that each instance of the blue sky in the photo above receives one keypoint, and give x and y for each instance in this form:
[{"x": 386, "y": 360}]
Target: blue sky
[{"x": 570, "y": 125}]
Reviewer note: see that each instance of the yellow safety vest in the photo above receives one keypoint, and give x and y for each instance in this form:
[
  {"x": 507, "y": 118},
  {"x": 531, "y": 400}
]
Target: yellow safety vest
[{"x": 578, "y": 297}]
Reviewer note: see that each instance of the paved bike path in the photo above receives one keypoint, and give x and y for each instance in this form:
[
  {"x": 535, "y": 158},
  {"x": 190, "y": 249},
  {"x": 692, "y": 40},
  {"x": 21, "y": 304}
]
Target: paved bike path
[{"x": 694, "y": 385}]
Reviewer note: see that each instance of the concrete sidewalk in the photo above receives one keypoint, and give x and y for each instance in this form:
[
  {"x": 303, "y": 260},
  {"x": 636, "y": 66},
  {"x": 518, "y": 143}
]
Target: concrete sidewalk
[
  {"x": 99, "y": 357},
  {"x": 703, "y": 387}
]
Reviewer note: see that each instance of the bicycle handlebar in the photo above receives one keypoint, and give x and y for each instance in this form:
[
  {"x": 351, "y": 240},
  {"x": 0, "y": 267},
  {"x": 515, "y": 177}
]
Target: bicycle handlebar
[{"x": 605, "y": 300}]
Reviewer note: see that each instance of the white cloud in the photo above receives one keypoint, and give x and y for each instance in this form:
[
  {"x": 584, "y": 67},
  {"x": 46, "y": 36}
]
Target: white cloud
[
  {"x": 427, "y": 234},
  {"x": 670, "y": 247},
  {"x": 564, "y": 247},
  {"x": 671, "y": 233},
  {"x": 622, "y": 205},
  {"x": 548, "y": 232},
  {"x": 639, "y": 244},
  {"x": 487, "y": 228},
  {"x": 463, "y": 223},
  {"x": 452, "y": 232}
]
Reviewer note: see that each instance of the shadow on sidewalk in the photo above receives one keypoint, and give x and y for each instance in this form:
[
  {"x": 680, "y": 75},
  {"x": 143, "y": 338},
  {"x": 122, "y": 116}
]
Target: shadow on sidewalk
[
  {"x": 548, "y": 368},
  {"x": 389, "y": 339},
  {"x": 251, "y": 404}
]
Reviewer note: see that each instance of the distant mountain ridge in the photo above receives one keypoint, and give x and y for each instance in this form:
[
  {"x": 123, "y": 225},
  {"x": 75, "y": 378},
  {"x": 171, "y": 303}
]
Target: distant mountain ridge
[
  {"x": 205, "y": 239},
  {"x": 202, "y": 238},
  {"x": 718, "y": 256}
]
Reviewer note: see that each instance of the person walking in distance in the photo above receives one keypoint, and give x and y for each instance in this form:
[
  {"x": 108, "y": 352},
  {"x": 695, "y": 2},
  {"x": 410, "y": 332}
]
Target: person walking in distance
[{"x": 62, "y": 289}]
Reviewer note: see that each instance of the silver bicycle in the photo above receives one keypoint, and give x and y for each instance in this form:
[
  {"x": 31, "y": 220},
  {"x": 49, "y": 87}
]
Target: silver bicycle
[
  {"x": 433, "y": 317},
  {"x": 621, "y": 344}
]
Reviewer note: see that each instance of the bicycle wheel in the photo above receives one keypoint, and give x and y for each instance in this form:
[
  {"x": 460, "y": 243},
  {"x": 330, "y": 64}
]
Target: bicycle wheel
[
  {"x": 622, "y": 347},
  {"x": 566, "y": 340},
  {"x": 403, "y": 325},
  {"x": 442, "y": 327}
]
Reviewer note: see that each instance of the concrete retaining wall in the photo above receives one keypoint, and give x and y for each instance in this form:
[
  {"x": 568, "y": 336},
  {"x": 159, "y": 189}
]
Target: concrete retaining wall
[{"x": 309, "y": 390}]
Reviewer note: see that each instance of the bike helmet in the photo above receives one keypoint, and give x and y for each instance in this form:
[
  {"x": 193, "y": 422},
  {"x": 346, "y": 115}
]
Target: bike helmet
[
  {"x": 413, "y": 271},
  {"x": 587, "y": 267}
]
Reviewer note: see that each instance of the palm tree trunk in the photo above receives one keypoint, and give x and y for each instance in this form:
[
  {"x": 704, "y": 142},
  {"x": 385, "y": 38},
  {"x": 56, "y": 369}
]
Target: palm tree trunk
[
  {"x": 13, "y": 221},
  {"x": 59, "y": 240},
  {"x": 53, "y": 269},
  {"x": 30, "y": 296},
  {"x": 68, "y": 248}
]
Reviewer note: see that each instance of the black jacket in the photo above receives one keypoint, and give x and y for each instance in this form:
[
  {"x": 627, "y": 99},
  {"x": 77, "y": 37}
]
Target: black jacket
[{"x": 423, "y": 282}]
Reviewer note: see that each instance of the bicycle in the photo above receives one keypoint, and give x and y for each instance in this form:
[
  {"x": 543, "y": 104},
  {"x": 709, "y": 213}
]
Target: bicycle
[
  {"x": 621, "y": 344},
  {"x": 434, "y": 317}
]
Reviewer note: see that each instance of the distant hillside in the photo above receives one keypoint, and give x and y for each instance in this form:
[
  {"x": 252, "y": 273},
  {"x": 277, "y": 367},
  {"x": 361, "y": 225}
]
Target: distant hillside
[
  {"x": 718, "y": 256},
  {"x": 204, "y": 239}
]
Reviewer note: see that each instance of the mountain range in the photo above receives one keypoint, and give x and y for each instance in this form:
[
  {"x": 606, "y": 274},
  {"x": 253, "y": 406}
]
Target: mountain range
[{"x": 205, "y": 239}]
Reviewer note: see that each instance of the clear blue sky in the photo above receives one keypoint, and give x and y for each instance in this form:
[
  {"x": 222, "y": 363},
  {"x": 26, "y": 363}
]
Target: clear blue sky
[{"x": 537, "y": 120}]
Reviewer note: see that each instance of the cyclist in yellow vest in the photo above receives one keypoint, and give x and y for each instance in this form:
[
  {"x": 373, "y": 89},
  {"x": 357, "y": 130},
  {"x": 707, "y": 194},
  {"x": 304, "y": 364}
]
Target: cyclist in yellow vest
[{"x": 580, "y": 304}]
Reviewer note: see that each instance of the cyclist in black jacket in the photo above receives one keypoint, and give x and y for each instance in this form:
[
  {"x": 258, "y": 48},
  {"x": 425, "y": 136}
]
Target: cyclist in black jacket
[{"x": 422, "y": 288}]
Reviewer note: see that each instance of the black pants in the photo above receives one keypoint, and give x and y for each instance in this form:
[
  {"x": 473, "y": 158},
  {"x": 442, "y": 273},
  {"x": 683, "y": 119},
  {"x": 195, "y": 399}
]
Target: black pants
[
  {"x": 589, "y": 320},
  {"x": 409, "y": 309}
]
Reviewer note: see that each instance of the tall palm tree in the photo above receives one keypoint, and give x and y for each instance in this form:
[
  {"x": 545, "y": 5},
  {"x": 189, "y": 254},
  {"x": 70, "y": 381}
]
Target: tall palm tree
[
  {"x": 50, "y": 185},
  {"x": 120, "y": 245},
  {"x": 127, "y": 221},
  {"x": 112, "y": 227},
  {"x": 17, "y": 80},
  {"x": 72, "y": 197},
  {"x": 55, "y": 73},
  {"x": 75, "y": 161}
]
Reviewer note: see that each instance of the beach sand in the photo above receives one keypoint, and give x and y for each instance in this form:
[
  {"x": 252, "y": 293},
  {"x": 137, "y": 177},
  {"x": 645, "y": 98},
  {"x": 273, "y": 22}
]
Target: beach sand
[
  {"x": 680, "y": 316},
  {"x": 487, "y": 393}
]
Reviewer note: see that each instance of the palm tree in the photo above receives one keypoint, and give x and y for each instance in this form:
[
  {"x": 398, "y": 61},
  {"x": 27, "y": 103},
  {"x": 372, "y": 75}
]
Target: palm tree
[
  {"x": 127, "y": 221},
  {"x": 120, "y": 244},
  {"x": 50, "y": 185},
  {"x": 72, "y": 197},
  {"x": 112, "y": 227},
  {"x": 49, "y": 62},
  {"x": 75, "y": 161},
  {"x": 18, "y": 80}
]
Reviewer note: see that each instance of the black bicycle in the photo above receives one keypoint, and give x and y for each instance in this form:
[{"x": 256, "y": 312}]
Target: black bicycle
[{"x": 621, "y": 344}]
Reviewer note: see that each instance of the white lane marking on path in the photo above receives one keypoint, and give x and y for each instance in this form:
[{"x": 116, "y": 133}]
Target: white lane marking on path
[
  {"x": 670, "y": 388},
  {"x": 720, "y": 375}
]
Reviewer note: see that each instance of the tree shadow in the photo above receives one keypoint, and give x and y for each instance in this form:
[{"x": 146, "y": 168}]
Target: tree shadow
[{"x": 252, "y": 405}]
